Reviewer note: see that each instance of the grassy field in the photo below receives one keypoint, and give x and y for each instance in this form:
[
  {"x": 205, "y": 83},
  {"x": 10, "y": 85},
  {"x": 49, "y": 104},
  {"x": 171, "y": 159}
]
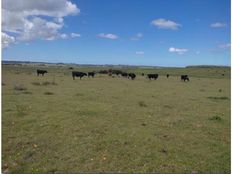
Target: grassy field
[{"x": 54, "y": 124}]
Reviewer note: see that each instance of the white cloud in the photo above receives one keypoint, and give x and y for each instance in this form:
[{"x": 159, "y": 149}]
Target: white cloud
[
  {"x": 165, "y": 24},
  {"x": 218, "y": 25},
  {"x": 75, "y": 35},
  {"x": 7, "y": 40},
  {"x": 63, "y": 36},
  {"x": 31, "y": 20},
  {"x": 39, "y": 28},
  {"x": 138, "y": 36},
  {"x": 52, "y": 8},
  {"x": 108, "y": 36},
  {"x": 225, "y": 46},
  {"x": 139, "y": 52},
  {"x": 178, "y": 50}
]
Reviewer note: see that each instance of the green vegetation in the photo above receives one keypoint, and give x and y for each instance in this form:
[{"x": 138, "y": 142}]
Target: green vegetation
[{"x": 106, "y": 124}]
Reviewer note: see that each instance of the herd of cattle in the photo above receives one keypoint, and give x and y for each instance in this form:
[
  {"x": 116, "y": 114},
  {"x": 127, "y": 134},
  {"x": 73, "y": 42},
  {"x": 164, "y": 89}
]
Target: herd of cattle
[{"x": 110, "y": 72}]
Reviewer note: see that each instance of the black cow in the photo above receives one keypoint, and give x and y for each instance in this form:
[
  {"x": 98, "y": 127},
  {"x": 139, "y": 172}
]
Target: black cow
[
  {"x": 91, "y": 74},
  {"x": 167, "y": 75},
  {"x": 124, "y": 74},
  {"x": 153, "y": 76},
  {"x": 78, "y": 74},
  {"x": 39, "y": 71},
  {"x": 184, "y": 77},
  {"x": 117, "y": 72},
  {"x": 142, "y": 74},
  {"x": 132, "y": 76}
]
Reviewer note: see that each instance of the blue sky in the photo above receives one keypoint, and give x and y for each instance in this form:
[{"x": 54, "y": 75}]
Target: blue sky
[{"x": 134, "y": 32}]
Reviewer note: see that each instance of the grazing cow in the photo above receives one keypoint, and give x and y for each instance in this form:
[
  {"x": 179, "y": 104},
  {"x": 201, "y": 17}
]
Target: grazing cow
[
  {"x": 78, "y": 74},
  {"x": 142, "y": 74},
  {"x": 184, "y": 77},
  {"x": 167, "y": 75},
  {"x": 91, "y": 74},
  {"x": 124, "y": 74},
  {"x": 117, "y": 72},
  {"x": 153, "y": 76},
  {"x": 41, "y": 72},
  {"x": 132, "y": 76}
]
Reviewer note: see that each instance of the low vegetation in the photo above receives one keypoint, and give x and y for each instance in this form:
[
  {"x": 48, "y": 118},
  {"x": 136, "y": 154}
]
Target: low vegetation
[
  {"x": 48, "y": 93},
  {"x": 115, "y": 125},
  {"x": 20, "y": 88}
]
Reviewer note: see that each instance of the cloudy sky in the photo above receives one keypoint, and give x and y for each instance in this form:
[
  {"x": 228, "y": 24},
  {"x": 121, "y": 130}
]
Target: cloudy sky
[{"x": 138, "y": 32}]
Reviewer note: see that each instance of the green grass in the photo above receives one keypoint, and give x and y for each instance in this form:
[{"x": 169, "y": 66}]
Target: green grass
[{"x": 106, "y": 124}]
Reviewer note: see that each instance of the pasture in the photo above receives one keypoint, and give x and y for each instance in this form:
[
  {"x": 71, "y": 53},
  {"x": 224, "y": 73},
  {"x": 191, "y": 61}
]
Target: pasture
[{"x": 54, "y": 124}]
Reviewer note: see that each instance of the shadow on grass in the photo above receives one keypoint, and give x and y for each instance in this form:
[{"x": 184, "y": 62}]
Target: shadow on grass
[
  {"x": 216, "y": 118},
  {"x": 142, "y": 104},
  {"x": 219, "y": 98},
  {"x": 48, "y": 93}
]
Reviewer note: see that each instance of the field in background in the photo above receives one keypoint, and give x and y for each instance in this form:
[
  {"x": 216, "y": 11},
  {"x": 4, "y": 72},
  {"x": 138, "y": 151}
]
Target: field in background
[{"x": 104, "y": 124}]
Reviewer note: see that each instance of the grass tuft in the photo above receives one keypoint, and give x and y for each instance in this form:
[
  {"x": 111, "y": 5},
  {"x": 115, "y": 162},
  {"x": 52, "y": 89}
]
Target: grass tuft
[
  {"x": 219, "y": 98},
  {"x": 35, "y": 83},
  {"x": 142, "y": 104},
  {"x": 43, "y": 83},
  {"x": 48, "y": 93},
  {"x": 216, "y": 117},
  {"x": 27, "y": 92},
  {"x": 20, "y": 88}
]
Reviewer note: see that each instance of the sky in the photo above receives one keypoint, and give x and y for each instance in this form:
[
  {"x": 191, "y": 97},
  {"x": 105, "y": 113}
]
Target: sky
[{"x": 173, "y": 33}]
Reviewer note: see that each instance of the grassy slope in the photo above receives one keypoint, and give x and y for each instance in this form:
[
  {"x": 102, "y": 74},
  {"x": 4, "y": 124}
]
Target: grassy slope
[{"x": 109, "y": 124}]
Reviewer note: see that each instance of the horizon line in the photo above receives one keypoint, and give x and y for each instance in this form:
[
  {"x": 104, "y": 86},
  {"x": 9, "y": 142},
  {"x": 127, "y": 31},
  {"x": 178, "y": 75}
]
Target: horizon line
[{"x": 95, "y": 64}]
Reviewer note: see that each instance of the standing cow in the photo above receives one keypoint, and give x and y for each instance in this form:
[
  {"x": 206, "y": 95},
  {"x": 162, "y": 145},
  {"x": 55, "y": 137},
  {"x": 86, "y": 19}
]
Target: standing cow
[
  {"x": 152, "y": 76},
  {"x": 132, "y": 76},
  {"x": 39, "y": 71},
  {"x": 184, "y": 77},
  {"x": 91, "y": 74},
  {"x": 78, "y": 74},
  {"x": 124, "y": 74}
]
